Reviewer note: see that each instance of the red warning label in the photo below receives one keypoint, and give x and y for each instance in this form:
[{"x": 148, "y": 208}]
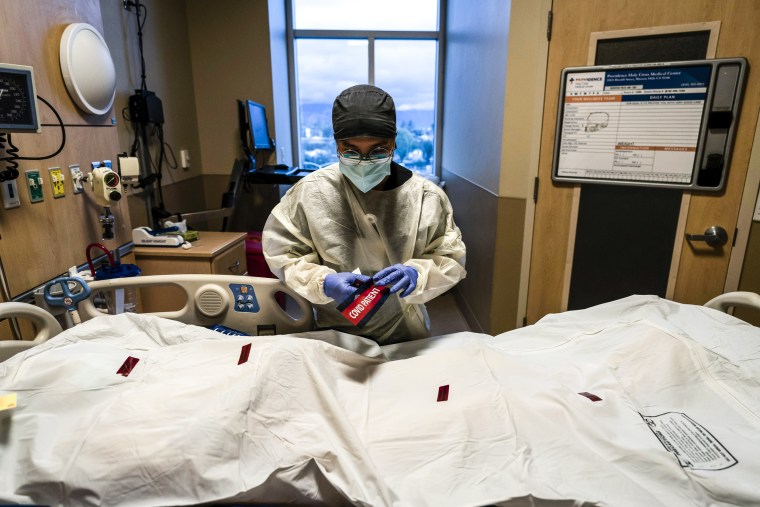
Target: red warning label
[{"x": 366, "y": 301}]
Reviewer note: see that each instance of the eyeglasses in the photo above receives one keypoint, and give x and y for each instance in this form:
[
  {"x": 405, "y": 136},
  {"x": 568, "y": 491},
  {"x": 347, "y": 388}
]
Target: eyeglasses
[{"x": 352, "y": 157}]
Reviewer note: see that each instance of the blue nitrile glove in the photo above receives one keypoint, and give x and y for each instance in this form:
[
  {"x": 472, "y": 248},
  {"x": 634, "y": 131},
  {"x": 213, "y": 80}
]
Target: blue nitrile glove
[
  {"x": 340, "y": 286},
  {"x": 402, "y": 277}
]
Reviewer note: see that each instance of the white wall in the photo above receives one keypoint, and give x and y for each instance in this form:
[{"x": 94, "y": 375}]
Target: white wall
[
  {"x": 280, "y": 92},
  {"x": 229, "y": 47},
  {"x": 167, "y": 68},
  {"x": 524, "y": 97},
  {"x": 476, "y": 68},
  {"x": 473, "y": 119},
  {"x": 168, "y": 72}
]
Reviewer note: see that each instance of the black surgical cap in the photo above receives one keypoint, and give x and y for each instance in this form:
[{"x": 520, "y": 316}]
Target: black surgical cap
[{"x": 364, "y": 110}]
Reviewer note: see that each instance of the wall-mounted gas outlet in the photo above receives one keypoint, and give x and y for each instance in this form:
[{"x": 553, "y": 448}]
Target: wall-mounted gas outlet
[
  {"x": 34, "y": 183},
  {"x": 76, "y": 178},
  {"x": 10, "y": 194},
  {"x": 56, "y": 181}
]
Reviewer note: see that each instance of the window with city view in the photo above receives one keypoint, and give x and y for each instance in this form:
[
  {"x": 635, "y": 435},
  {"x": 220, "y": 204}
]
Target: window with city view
[{"x": 341, "y": 43}]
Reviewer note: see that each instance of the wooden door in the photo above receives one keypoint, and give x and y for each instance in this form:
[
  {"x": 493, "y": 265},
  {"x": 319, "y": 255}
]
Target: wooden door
[{"x": 697, "y": 274}]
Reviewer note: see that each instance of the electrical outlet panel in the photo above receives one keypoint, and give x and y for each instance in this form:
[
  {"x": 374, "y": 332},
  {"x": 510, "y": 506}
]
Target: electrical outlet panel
[
  {"x": 129, "y": 169},
  {"x": 56, "y": 180},
  {"x": 184, "y": 156},
  {"x": 10, "y": 194},
  {"x": 76, "y": 178},
  {"x": 34, "y": 183}
]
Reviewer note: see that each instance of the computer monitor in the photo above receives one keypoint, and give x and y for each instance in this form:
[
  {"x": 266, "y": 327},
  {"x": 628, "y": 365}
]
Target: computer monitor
[{"x": 254, "y": 131}]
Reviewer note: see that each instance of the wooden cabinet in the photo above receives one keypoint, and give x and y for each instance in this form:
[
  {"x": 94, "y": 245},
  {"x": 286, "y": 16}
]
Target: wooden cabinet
[{"x": 213, "y": 253}]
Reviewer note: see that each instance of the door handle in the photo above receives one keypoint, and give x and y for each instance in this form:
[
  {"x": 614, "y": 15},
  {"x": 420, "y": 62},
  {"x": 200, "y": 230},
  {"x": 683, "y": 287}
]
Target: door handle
[{"x": 715, "y": 236}]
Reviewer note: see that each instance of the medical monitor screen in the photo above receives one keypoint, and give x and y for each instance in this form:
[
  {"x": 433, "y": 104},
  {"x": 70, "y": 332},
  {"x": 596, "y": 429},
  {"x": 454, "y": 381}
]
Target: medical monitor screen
[
  {"x": 661, "y": 124},
  {"x": 18, "y": 110},
  {"x": 257, "y": 122}
]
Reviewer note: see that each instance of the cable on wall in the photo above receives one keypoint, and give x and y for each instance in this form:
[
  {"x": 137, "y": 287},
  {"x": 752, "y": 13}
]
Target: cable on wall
[
  {"x": 11, "y": 171},
  {"x": 145, "y": 109}
]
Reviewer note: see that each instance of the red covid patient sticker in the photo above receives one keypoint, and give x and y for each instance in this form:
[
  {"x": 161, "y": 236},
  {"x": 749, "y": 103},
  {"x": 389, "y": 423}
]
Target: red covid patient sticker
[
  {"x": 127, "y": 366},
  {"x": 364, "y": 303}
]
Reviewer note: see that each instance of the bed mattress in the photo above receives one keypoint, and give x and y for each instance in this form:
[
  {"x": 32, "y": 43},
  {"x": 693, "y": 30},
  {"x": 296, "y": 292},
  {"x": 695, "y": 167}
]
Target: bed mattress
[{"x": 636, "y": 402}]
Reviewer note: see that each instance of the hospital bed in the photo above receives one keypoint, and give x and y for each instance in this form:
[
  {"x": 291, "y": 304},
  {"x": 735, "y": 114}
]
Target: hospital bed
[{"x": 640, "y": 401}]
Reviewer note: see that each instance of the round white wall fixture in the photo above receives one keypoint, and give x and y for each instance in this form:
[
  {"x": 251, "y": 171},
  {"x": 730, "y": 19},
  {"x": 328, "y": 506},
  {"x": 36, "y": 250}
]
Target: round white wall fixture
[{"x": 87, "y": 68}]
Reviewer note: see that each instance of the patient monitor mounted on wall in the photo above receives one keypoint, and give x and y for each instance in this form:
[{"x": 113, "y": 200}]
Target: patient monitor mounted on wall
[
  {"x": 18, "y": 113},
  {"x": 18, "y": 99}
]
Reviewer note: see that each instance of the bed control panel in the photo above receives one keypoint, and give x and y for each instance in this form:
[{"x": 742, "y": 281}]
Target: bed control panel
[{"x": 244, "y": 297}]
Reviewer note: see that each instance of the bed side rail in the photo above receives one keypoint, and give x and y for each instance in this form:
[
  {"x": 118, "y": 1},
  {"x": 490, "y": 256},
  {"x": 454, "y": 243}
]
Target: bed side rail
[
  {"x": 243, "y": 303},
  {"x": 731, "y": 299},
  {"x": 44, "y": 323}
]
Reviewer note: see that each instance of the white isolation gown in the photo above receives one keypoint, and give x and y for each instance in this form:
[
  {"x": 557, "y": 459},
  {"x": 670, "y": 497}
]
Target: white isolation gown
[{"x": 325, "y": 225}]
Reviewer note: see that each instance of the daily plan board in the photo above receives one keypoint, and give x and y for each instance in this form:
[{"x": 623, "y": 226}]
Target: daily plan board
[{"x": 632, "y": 124}]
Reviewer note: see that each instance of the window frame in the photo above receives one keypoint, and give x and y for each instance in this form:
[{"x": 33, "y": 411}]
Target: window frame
[{"x": 371, "y": 36}]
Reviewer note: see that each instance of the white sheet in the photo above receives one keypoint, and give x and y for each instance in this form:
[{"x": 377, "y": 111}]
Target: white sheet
[{"x": 305, "y": 420}]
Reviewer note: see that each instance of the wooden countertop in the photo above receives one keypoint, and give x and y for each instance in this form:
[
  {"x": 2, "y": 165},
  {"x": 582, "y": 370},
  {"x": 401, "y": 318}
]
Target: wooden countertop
[{"x": 209, "y": 244}]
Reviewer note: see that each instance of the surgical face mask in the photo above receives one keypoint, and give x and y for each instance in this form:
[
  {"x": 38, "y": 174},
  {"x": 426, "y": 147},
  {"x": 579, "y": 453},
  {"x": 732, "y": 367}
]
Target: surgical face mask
[{"x": 366, "y": 175}]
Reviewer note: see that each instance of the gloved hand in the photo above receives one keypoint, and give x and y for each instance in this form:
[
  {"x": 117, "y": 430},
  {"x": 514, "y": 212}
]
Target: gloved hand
[
  {"x": 402, "y": 277},
  {"x": 340, "y": 286}
]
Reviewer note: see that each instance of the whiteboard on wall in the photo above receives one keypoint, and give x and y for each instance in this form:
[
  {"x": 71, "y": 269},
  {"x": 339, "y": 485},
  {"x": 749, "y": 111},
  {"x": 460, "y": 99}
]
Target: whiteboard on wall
[{"x": 660, "y": 124}]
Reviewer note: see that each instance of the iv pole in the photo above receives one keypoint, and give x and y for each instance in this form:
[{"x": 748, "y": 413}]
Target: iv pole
[
  {"x": 140, "y": 126},
  {"x": 144, "y": 157}
]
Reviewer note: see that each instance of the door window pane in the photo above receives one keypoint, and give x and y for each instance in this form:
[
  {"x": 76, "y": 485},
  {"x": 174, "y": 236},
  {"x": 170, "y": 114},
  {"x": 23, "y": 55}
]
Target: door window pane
[
  {"x": 406, "y": 70},
  {"x": 324, "y": 68},
  {"x": 365, "y": 15}
]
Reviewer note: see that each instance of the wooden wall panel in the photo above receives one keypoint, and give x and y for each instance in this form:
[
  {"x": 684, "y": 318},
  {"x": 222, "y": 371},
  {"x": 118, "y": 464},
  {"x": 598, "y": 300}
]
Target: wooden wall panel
[
  {"x": 739, "y": 37},
  {"x": 574, "y": 22},
  {"x": 551, "y": 229},
  {"x": 31, "y": 34},
  {"x": 41, "y": 240}
]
